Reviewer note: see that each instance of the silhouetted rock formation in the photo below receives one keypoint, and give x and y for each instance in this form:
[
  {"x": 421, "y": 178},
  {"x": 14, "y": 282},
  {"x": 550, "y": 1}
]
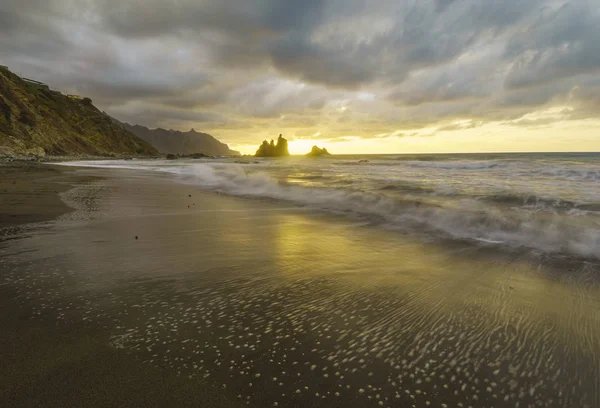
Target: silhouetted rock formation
[
  {"x": 316, "y": 152},
  {"x": 273, "y": 150}
]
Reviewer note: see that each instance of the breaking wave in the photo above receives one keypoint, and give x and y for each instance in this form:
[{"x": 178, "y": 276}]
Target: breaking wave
[
  {"x": 472, "y": 220},
  {"x": 500, "y": 219},
  {"x": 458, "y": 165}
]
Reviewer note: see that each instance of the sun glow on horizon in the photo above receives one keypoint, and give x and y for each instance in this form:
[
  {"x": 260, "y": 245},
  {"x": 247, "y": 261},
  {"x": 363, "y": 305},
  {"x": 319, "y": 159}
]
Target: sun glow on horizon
[
  {"x": 302, "y": 146},
  {"x": 548, "y": 130}
]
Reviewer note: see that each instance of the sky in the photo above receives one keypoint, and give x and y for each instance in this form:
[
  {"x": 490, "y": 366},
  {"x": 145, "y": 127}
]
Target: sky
[{"x": 355, "y": 76}]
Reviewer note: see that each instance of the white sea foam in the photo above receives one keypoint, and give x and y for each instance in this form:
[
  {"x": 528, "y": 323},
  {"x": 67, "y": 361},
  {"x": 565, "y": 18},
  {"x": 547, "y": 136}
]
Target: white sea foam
[{"x": 574, "y": 232}]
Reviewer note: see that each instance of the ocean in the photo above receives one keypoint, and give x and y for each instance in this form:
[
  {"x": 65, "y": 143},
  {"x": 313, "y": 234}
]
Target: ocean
[
  {"x": 548, "y": 203},
  {"x": 334, "y": 282}
]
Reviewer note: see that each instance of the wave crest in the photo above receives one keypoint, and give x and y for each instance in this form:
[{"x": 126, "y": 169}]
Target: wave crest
[
  {"x": 472, "y": 220},
  {"x": 545, "y": 224}
]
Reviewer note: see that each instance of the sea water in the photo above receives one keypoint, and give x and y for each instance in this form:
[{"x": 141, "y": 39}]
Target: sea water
[{"x": 544, "y": 202}]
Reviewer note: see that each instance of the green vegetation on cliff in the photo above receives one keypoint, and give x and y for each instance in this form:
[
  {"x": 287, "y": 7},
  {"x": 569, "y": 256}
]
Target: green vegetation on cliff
[{"x": 35, "y": 120}]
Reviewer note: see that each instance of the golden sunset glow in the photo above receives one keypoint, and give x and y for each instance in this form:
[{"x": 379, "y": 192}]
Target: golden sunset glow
[
  {"x": 355, "y": 77},
  {"x": 300, "y": 203},
  {"x": 510, "y": 136}
]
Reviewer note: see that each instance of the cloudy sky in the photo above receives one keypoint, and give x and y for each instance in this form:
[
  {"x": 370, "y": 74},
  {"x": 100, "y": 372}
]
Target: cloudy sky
[{"x": 358, "y": 76}]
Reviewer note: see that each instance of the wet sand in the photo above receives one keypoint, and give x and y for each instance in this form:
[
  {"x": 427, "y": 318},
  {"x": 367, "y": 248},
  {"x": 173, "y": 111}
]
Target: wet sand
[
  {"x": 226, "y": 301},
  {"x": 29, "y": 192}
]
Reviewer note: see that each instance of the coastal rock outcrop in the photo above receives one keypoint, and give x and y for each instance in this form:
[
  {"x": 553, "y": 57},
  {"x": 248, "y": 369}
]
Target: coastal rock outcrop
[
  {"x": 36, "y": 120},
  {"x": 273, "y": 150},
  {"x": 316, "y": 152}
]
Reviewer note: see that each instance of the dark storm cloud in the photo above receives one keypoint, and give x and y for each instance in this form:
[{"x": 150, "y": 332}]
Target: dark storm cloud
[
  {"x": 253, "y": 33},
  {"x": 562, "y": 43},
  {"x": 440, "y": 5},
  {"x": 161, "y": 116},
  {"x": 297, "y": 58},
  {"x": 283, "y": 32},
  {"x": 9, "y": 21},
  {"x": 272, "y": 98},
  {"x": 419, "y": 61}
]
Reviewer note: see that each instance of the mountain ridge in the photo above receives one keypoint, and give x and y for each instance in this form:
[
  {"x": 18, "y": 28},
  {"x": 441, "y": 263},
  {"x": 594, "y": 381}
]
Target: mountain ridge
[{"x": 171, "y": 141}]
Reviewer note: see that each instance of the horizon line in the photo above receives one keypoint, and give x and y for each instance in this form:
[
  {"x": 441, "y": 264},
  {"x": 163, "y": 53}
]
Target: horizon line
[{"x": 407, "y": 153}]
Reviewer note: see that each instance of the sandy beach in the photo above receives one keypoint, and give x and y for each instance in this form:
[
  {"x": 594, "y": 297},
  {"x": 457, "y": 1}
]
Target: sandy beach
[
  {"x": 29, "y": 192},
  {"x": 153, "y": 292},
  {"x": 300, "y": 204}
]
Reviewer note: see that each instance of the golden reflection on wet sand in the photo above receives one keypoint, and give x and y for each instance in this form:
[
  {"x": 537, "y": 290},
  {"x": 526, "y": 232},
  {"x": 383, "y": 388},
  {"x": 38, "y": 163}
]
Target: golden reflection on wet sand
[{"x": 278, "y": 306}]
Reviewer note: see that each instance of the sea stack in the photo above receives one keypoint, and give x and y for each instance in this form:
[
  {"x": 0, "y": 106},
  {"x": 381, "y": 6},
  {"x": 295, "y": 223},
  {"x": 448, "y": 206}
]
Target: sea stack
[
  {"x": 316, "y": 152},
  {"x": 273, "y": 150}
]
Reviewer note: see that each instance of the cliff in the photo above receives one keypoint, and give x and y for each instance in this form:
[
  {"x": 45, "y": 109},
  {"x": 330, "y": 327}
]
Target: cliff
[
  {"x": 177, "y": 142},
  {"x": 273, "y": 150},
  {"x": 36, "y": 120}
]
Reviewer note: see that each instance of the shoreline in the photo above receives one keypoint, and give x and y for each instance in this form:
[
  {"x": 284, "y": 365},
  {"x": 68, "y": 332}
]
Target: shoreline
[
  {"x": 221, "y": 294},
  {"x": 51, "y": 361},
  {"x": 30, "y": 192}
]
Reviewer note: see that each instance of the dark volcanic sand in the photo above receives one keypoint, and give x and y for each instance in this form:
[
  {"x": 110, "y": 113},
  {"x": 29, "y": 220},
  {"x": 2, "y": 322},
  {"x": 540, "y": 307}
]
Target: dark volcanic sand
[
  {"x": 235, "y": 302},
  {"x": 29, "y": 192}
]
